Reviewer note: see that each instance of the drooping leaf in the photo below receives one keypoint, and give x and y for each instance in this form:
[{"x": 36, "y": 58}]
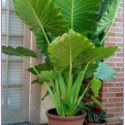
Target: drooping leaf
[
  {"x": 41, "y": 67},
  {"x": 81, "y": 14},
  {"x": 90, "y": 70},
  {"x": 95, "y": 54},
  {"x": 47, "y": 75},
  {"x": 41, "y": 15},
  {"x": 95, "y": 86},
  {"x": 96, "y": 101},
  {"x": 104, "y": 72},
  {"x": 108, "y": 15},
  {"x": 47, "y": 93},
  {"x": 18, "y": 51},
  {"x": 36, "y": 81},
  {"x": 63, "y": 50}
]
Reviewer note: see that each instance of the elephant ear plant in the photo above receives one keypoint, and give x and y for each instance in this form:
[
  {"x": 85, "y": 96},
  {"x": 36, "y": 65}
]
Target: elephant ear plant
[
  {"x": 66, "y": 53},
  {"x": 62, "y": 29}
]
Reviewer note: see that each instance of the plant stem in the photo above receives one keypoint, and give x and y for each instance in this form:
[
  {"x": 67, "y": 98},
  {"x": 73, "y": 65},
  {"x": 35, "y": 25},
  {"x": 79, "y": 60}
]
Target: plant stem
[
  {"x": 46, "y": 37},
  {"x": 72, "y": 14},
  {"x": 70, "y": 73}
]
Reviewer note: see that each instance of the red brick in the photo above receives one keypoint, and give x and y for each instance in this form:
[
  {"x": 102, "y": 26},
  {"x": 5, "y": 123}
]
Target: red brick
[
  {"x": 112, "y": 97},
  {"x": 118, "y": 104},
  {"x": 118, "y": 94}
]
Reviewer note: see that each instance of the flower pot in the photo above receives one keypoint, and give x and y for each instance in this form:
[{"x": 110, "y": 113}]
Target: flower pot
[
  {"x": 54, "y": 119},
  {"x": 86, "y": 123}
]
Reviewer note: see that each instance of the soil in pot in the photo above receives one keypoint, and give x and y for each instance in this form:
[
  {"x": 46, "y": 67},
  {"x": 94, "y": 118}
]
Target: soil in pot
[{"x": 54, "y": 119}]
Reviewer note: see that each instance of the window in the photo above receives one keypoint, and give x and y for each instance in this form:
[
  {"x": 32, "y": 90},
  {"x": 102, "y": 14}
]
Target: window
[{"x": 12, "y": 66}]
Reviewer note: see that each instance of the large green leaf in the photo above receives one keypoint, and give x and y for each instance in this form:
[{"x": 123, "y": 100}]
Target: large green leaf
[
  {"x": 95, "y": 86},
  {"x": 90, "y": 70},
  {"x": 41, "y": 15},
  {"x": 108, "y": 15},
  {"x": 47, "y": 75},
  {"x": 63, "y": 50},
  {"x": 18, "y": 51},
  {"x": 95, "y": 54},
  {"x": 40, "y": 67},
  {"x": 104, "y": 72},
  {"x": 81, "y": 14}
]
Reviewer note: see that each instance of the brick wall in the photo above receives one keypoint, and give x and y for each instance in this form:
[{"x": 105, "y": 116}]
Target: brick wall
[{"x": 112, "y": 93}]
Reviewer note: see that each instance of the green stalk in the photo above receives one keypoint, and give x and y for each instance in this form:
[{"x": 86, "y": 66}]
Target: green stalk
[
  {"x": 72, "y": 14},
  {"x": 45, "y": 35},
  {"x": 70, "y": 75},
  {"x": 84, "y": 92}
]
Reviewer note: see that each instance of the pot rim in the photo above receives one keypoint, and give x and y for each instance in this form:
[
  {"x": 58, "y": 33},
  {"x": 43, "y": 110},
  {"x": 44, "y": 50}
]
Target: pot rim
[
  {"x": 104, "y": 123},
  {"x": 83, "y": 115}
]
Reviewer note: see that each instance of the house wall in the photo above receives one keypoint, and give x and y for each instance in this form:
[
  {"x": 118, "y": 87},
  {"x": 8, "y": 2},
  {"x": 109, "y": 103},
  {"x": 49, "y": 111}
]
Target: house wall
[{"x": 112, "y": 92}]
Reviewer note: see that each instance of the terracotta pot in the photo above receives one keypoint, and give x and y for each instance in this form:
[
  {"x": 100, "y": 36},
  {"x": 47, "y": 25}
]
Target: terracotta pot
[
  {"x": 86, "y": 123},
  {"x": 54, "y": 119}
]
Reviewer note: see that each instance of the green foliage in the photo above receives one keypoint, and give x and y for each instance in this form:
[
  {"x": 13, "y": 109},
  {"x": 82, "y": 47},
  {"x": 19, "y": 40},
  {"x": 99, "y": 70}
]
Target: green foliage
[
  {"x": 41, "y": 67},
  {"x": 41, "y": 43},
  {"x": 104, "y": 72},
  {"x": 47, "y": 75},
  {"x": 18, "y": 51},
  {"x": 90, "y": 70},
  {"x": 95, "y": 54},
  {"x": 41, "y": 15},
  {"x": 95, "y": 86},
  {"x": 71, "y": 55},
  {"x": 81, "y": 15},
  {"x": 65, "y": 92},
  {"x": 64, "y": 50},
  {"x": 97, "y": 117},
  {"x": 108, "y": 15}
]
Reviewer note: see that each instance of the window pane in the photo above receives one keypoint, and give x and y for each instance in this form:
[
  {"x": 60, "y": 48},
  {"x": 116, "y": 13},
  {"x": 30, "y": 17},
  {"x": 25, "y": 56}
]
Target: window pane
[
  {"x": 11, "y": 5},
  {"x": 4, "y": 4},
  {"x": 3, "y": 97},
  {"x": 15, "y": 41},
  {"x": 4, "y": 22},
  {"x": 15, "y": 73},
  {"x": 4, "y": 73},
  {"x": 14, "y": 98},
  {"x": 15, "y": 25}
]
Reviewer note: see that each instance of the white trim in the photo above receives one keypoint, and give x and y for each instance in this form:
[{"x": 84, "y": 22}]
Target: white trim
[
  {"x": 30, "y": 94},
  {"x": 0, "y": 62}
]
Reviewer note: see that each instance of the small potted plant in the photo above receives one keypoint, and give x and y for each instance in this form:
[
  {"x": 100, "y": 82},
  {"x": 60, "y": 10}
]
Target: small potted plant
[
  {"x": 62, "y": 29},
  {"x": 94, "y": 116}
]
